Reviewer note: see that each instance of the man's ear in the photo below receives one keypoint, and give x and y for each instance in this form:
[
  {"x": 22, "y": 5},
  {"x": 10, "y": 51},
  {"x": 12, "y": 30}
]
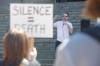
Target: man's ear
[{"x": 92, "y": 9}]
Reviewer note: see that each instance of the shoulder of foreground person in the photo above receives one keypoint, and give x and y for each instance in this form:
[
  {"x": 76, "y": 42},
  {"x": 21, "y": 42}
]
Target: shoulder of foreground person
[{"x": 71, "y": 53}]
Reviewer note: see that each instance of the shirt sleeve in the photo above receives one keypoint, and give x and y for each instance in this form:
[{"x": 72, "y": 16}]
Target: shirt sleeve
[{"x": 70, "y": 25}]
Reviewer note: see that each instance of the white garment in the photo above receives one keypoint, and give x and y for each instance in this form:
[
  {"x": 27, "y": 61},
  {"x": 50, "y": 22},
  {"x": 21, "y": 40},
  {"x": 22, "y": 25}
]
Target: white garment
[
  {"x": 34, "y": 62},
  {"x": 63, "y": 30},
  {"x": 31, "y": 59},
  {"x": 81, "y": 50}
]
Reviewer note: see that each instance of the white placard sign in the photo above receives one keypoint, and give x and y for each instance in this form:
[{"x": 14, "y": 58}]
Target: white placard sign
[{"x": 35, "y": 19}]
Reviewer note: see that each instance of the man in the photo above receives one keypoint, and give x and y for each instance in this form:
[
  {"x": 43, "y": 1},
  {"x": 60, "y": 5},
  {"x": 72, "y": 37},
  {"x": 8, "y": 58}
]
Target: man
[
  {"x": 83, "y": 49},
  {"x": 64, "y": 28}
]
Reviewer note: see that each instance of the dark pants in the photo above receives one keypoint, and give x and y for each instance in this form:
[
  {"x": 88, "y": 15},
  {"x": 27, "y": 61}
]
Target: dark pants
[{"x": 57, "y": 44}]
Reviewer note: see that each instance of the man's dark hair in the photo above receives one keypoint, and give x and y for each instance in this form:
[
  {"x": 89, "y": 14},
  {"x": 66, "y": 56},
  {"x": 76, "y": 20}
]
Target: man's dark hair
[{"x": 66, "y": 13}]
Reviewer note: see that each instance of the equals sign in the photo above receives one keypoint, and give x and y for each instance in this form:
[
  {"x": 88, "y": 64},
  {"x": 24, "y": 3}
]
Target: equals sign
[{"x": 30, "y": 19}]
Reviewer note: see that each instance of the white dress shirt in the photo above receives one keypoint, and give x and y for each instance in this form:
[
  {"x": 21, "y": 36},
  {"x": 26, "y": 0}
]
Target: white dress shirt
[{"x": 63, "y": 29}]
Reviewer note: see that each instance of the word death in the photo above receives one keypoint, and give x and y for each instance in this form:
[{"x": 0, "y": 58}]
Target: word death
[{"x": 37, "y": 28}]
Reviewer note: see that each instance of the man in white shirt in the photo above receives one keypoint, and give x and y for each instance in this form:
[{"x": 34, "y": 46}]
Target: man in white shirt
[{"x": 64, "y": 28}]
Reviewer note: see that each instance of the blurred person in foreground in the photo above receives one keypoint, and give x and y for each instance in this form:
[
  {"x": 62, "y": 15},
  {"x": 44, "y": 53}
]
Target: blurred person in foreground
[
  {"x": 83, "y": 49},
  {"x": 17, "y": 48}
]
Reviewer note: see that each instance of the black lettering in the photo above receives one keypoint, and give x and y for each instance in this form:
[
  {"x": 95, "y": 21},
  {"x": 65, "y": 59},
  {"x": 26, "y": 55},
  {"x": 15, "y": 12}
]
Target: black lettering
[
  {"x": 47, "y": 10},
  {"x": 42, "y": 28},
  {"x": 42, "y": 11},
  {"x": 30, "y": 28},
  {"x": 30, "y": 19},
  {"x": 36, "y": 10},
  {"x": 36, "y": 28},
  {"x": 22, "y": 11},
  {"x": 29, "y": 10}
]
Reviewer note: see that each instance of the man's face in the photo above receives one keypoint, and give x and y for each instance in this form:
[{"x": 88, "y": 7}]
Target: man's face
[{"x": 65, "y": 17}]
